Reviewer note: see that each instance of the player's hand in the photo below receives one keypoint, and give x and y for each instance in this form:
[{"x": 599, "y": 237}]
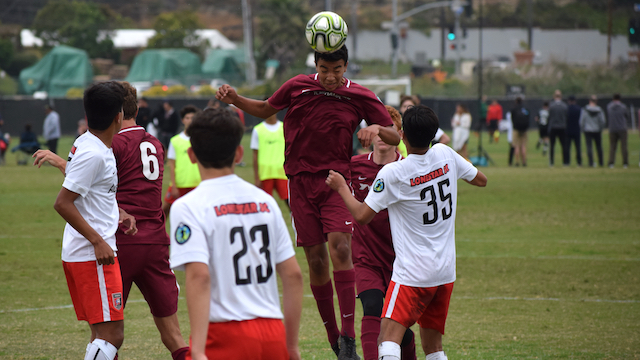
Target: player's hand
[
  {"x": 43, "y": 156},
  {"x": 294, "y": 354},
  {"x": 226, "y": 94},
  {"x": 367, "y": 135},
  {"x": 175, "y": 193},
  {"x": 128, "y": 222},
  {"x": 104, "y": 253},
  {"x": 335, "y": 180}
]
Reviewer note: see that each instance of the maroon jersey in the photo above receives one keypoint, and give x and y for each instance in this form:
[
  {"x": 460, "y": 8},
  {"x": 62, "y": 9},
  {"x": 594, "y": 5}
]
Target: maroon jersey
[
  {"x": 371, "y": 244},
  {"x": 140, "y": 162},
  {"x": 319, "y": 124}
]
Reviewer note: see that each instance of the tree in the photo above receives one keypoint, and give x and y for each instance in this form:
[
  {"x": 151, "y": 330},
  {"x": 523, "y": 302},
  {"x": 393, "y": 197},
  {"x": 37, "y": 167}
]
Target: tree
[
  {"x": 83, "y": 25},
  {"x": 281, "y": 32},
  {"x": 176, "y": 30}
]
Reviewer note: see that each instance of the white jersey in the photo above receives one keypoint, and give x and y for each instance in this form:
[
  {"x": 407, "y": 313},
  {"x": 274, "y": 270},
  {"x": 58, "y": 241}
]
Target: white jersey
[
  {"x": 91, "y": 172},
  {"x": 420, "y": 193},
  {"x": 238, "y": 231}
]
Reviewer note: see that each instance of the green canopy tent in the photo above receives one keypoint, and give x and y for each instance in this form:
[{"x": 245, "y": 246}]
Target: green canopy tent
[
  {"x": 62, "y": 68},
  {"x": 166, "y": 64},
  {"x": 224, "y": 64}
]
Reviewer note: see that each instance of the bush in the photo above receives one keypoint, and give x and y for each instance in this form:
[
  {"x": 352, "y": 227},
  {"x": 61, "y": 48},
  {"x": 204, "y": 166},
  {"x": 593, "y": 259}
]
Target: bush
[
  {"x": 75, "y": 93},
  {"x": 159, "y": 91},
  {"x": 206, "y": 90},
  {"x": 8, "y": 86}
]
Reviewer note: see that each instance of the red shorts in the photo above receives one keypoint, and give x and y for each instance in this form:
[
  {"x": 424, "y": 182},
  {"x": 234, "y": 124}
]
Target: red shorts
[
  {"x": 281, "y": 186},
  {"x": 96, "y": 290},
  {"x": 257, "y": 339},
  {"x": 148, "y": 266},
  {"x": 170, "y": 199},
  {"x": 427, "y": 306},
  {"x": 371, "y": 277},
  {"x": 316, "y": 210}
]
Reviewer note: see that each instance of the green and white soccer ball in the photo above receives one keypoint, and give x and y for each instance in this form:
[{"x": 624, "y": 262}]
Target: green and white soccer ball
[{"x": 326, "y": 32}]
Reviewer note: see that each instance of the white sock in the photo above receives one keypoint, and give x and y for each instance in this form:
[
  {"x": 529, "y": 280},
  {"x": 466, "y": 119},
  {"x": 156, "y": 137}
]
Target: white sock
[
  {"x": 437, "y": 356},
  {"x": 388, "y": 350},
  {"x": 100, "y": 350}
]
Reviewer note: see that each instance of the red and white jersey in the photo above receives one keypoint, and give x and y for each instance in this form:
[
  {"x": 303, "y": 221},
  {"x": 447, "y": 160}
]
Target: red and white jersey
[
  {"x": 371, "y": 243},
  {"x": 420, "y": 193},
  {"x": 140, "y": 160},
  {"x": 91, "y": 172},
  {"x": 238, "y": 231},
  {"x": 319, "y": 124}
]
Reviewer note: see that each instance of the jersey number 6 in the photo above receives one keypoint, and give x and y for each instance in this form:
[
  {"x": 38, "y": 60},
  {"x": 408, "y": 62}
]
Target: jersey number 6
[
  {"x": 150, "y": 167},
  {"x": 238, "y": 232},
  {"x": 423, "y": 195}
]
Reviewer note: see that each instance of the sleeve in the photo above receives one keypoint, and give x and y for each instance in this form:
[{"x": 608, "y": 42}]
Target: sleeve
[
  {"x": 374, "y": 110},
  {"x": 80, "y": 172},
  {"x": 383, "y": 192},
  {"x": 188, "y": 239},
  {"x": 283, "y": 244},
  {"x": 255, "y": 144},
  {"x": 465, "y": 169},
  {"x": 171, "y": 153},
  {"x": 438, "y": 135},
  {"x": 465, "y": 121},
  {"x": 282, "y": 97}
]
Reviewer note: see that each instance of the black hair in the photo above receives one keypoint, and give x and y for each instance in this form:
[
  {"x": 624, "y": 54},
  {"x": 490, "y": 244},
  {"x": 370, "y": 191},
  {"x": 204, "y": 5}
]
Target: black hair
[
  {"x": 188, "y": 110},
  {"x": 546, "y": 103},
  {"x": 215, "y": 135},
  {"x": 27, "y": 127},
  {"x": 519, "y": 100},
  {"x": 616, "y": 96},
  {"x": 102, "y": 103},
  {"x": 340, "y": 54},
  {"x": 420, "y": 124}
]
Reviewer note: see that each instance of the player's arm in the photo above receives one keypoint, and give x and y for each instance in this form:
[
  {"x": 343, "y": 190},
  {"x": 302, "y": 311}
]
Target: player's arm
[
  {"x": 256, "y": 168},
  {"x": 444, "y": 139},
  {"x": 258, "y": 108},
  {"x": 388, "y": 134},
  {"x": 292, "y": 291},
  {"x": 361, "y": 212},
  {"x": 198, "y": 283},
  {"x": 65, "y": 206},
  {"x": 480, "y": 180},
  {"x": 171, "y": 164},
  {"x": 43, "y": 156}
]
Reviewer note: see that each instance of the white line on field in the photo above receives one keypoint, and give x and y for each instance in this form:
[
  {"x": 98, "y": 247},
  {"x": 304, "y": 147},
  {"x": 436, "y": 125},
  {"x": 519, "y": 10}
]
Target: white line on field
[{"x": 504, "y": 298}]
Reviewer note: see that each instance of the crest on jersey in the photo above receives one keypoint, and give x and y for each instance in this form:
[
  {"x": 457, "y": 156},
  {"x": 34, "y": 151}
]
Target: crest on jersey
[
  {"x": 378, "y": 186},
  {"x": 183, "y": 233},
  {"x": 117, "y": 300}
]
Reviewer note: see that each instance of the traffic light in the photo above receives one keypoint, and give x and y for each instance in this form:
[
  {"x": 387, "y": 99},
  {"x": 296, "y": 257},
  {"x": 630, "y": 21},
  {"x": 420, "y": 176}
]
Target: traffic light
[
  {"x": 634, "y": 31},
  {"x": 452, "y": 33}
]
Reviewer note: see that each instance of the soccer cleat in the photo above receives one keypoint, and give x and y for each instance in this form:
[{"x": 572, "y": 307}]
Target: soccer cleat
[
  {"x": 348, "y": 349},
  {"x": 336, "y": 347}
]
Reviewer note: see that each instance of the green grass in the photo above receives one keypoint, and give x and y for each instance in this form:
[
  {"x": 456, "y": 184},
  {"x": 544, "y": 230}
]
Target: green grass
[{"x": 548, "y": 267}]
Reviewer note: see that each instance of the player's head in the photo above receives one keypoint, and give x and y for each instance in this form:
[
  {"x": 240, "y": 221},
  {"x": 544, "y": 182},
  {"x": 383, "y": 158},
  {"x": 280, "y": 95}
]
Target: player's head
[
  {"x": 187, "y": 113},
  {"x": 130, "y": 105},
  {"x": 419, "y": 124},
  {"x": 215, "y": 136},
  {"x": 103, "y": 104},
  {"x": 461, "y": 108},
  {"x": 331, "y": 67},
  {"x": 545, "y": 104},
  {"x": 377, "y": 142},
  {"x": 616, "y": 97},
  {"x": 593, "y": 99},
  {"x": 557, "y": 94},
  {"x": 167, "y": 105},
  {"x": 406, "y": 101}
]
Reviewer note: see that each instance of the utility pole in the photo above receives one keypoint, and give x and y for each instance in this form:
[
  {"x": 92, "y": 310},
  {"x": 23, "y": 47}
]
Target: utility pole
[
  {"x": 353, "y": 27},
  {"x": 530, "y": 24},
  {"x": 609, "y": 26},
  {"x": 394, "y": 39},
  {"x": 457, "y": 10},
  {"x": 327, "y": 5},
  {"x": 250, "y": 72}
]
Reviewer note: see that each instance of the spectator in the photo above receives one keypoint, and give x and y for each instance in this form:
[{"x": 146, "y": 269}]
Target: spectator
[
  {"x": 28, "y": 145},
  {"x": 543, "y": 128},
  {"x": 51, "y": 128},
  {"x": 573, "y": 129},
  {"x": 4, "y": 142},
  {"x": 494, "y": 115},
  {"x": 618, "y": 115},
  {"x": 406, "y": 101},
  {"x": 267, "y": 143},
  {"x": 144, "y": 113},
  {"x": 520, "y": 118},
  {"x": 592, "y": 122},
  {"x": 461, "y": 124},
  {"x": 168, "y": 123},
  {"x": 557, "y": 127}
]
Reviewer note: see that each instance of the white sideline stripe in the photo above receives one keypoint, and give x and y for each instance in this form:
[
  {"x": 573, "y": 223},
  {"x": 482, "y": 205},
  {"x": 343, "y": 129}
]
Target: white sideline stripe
[{"x": 311, "y": 296}]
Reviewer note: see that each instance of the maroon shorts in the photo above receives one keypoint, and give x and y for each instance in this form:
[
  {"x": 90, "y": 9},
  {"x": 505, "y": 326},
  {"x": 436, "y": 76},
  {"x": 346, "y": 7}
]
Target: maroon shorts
[
  {"x": 427, "y": 306},
  {"x": 147, "y": 265},
  {"x": 170, "y": 199},
  {"x": 371, "y": 277},
  {"x": 281, "y": 186},
  {"x": 257, "y": 339},
  {"x": 316, "y": 210}
]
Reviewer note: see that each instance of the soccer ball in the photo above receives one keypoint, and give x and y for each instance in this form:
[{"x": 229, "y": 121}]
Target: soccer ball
[{"x": 326, "y": 32}]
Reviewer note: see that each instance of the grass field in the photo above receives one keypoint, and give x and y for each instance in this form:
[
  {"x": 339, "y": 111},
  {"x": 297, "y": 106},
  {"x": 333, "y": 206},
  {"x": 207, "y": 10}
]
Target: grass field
[{"x": 548, "y": 267}]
